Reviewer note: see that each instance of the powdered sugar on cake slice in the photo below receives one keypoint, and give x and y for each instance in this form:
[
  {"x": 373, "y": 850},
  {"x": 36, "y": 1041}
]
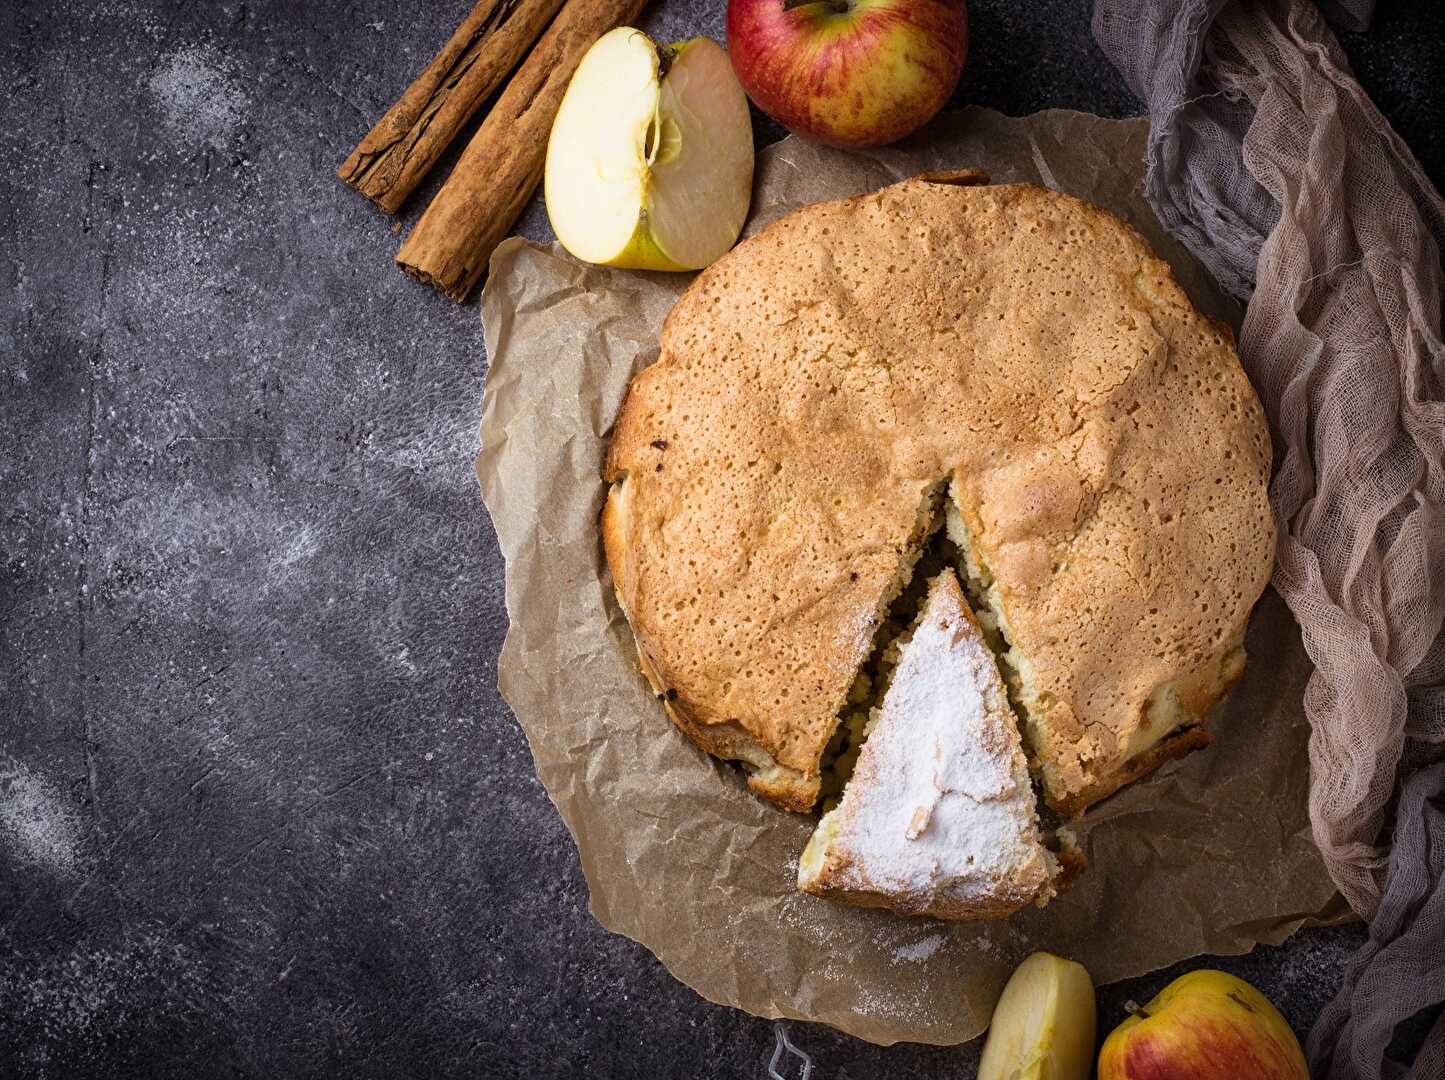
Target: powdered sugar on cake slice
[{"x": 938, "y": 817}]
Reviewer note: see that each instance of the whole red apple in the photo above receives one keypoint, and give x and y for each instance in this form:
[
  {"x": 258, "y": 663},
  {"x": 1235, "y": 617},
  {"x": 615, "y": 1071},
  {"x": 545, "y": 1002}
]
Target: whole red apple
[
  {"x": 848, "y": 72},
  {"x": 1206, "y": 1025}
]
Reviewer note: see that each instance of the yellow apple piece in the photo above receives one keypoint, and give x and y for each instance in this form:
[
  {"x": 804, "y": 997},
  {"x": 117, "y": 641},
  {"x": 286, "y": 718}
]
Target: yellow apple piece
[
  {"x": 650, "y": 160},
  {"x": 1207, "y": 1025},
  {"x": 1043, "y": 1024}
]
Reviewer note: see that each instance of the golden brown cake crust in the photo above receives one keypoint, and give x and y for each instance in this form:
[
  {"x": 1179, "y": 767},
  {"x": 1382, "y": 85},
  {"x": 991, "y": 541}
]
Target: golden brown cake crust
[
  {"x": 771, "y": 471},
  {"x": 1178, "y": 745}
]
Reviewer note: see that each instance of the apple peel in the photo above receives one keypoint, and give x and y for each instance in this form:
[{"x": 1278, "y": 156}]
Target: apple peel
[{"x": 1208, "y": 1025}]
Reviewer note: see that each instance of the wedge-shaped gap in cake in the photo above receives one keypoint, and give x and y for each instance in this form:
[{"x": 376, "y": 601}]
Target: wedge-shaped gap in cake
[{"x": 939, "y": 814}]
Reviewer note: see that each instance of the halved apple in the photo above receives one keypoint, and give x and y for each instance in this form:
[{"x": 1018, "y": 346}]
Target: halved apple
[
  {"x": 1043, "y": 1024},
  {"x": 650, "y": 161}
]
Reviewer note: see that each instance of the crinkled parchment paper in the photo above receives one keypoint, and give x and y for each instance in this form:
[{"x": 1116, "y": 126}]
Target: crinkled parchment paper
[{"x": 1209, "y": 855}]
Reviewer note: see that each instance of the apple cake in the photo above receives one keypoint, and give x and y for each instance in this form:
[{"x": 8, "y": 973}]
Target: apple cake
[{"x": 1011, "y": 354}]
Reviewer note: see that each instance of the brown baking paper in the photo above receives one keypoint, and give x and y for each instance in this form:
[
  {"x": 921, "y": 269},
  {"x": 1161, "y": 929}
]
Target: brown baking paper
[{"x": 1210, "y": 855}]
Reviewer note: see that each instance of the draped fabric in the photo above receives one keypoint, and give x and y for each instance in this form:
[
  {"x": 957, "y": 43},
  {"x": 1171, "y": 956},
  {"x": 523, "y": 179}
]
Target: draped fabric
[{"x": 1271, "y": 163}]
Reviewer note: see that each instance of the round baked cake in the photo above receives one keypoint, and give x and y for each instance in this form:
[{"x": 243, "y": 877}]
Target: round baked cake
[{"x": 1003, "y": 370}]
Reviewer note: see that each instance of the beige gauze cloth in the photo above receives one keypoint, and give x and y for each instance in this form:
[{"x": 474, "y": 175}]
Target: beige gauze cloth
[{"x": 1273, "y": 166}]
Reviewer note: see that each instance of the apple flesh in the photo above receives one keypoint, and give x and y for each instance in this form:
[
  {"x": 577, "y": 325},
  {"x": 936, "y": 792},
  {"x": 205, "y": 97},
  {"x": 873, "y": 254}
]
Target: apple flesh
[
  {"x": 1206, "y": 1025},
  {"x": 650, "y": 160},
  {"x": 1043, "y": 1025},
  {"x": 849, "y": 72}
]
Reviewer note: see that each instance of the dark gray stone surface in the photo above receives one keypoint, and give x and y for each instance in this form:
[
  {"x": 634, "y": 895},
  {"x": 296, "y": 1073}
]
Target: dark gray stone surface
[{"x": 262, "y": 811}]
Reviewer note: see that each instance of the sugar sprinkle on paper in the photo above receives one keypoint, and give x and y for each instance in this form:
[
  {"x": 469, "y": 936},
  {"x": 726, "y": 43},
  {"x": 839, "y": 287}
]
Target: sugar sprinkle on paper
[{"x": 918, "y": 951}]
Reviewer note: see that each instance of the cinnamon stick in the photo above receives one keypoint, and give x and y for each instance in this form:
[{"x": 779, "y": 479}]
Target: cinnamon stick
[
  {"x": 502, "y": 165},
  {"x": 407, "y": 140}
]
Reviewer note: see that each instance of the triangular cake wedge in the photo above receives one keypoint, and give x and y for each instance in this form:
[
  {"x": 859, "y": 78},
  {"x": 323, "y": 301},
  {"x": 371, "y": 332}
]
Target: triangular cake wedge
[{"x": 938, "y": 817}]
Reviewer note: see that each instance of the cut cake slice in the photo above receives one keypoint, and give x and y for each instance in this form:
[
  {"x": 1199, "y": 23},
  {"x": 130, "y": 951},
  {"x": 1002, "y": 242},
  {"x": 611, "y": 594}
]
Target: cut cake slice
[{"x": 938, "y": 817}]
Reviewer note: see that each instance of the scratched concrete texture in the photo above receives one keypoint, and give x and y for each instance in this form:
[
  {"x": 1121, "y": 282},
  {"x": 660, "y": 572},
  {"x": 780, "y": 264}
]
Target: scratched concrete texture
[{"x": 262, "y": 811}]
